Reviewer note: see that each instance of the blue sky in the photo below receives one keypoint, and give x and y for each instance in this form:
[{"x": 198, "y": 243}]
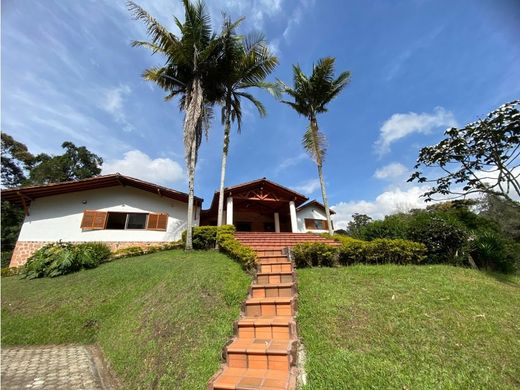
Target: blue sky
[{"x": 418, "y": 66}]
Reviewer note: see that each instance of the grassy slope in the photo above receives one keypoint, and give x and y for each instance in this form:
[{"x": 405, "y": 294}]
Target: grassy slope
[
  {"x": 161, "y": 319},
  {"x": 426, "y": 327}
]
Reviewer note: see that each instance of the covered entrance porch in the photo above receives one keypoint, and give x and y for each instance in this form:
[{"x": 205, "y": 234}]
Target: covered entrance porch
[{"x": 257, "y": 206}]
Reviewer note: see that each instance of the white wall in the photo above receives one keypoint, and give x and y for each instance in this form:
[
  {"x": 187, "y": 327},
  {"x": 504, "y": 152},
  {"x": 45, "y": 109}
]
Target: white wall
[
  {"x": 59, "y": 217},
  {"x": 310, "y": 212}
]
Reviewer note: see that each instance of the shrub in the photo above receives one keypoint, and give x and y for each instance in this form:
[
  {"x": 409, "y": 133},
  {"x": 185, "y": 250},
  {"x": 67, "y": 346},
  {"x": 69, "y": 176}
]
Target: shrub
[
  {"x": 203, "y": 237},
  {"x": 384, "y": 250},
  {"x": 492, "y": 251},
  {"x": 11, "y": 271},
  {"x": 62, "y": 258},
  {"x": 229, "y": 245},
  {"x": 314, "y": 254},
  {"x": 6, "y": 258}
]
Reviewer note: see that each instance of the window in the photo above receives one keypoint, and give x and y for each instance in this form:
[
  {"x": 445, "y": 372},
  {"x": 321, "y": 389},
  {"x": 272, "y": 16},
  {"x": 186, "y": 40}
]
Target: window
[
  {"x": 316, "y": 224},
  {"x": 111, "y": 220}
]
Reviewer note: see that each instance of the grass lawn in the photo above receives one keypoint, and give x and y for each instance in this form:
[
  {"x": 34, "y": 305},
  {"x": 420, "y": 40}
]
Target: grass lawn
[
  {"x": 160, "y": 319},
  {"x": 409, "y": 327}
]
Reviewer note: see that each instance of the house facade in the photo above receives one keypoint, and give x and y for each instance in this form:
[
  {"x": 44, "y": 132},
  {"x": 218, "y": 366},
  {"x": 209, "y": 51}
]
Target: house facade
[{"x": 122, "y": 211}]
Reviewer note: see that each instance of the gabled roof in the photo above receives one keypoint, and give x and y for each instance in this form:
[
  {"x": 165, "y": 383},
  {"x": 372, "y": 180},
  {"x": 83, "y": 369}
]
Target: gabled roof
[
  {"x": 260, "y": 183},
  {"x": 314, "y": 203},
  {"x": 26, "y": 194}
]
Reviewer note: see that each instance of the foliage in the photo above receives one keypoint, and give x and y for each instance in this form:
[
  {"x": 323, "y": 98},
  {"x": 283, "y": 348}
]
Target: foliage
[
  {"x": 314, "y": 254},
  {"x": 229, "y": 245},
  {"x": 354, "y": 251},
  {"x": 504, "y": 214},
  {"x": 15, "y": 160},
  {"x": 483, "y": 156},
  {"x": 63, "y": 258},
  {"x": 75, "y": 163},
  {"x": 409, "y": 327},
  {"x": 492, "y": 251},
  {"x": 11, "y": 271},
  {"x": 6, "y": 258},
  {"x": 138, "y": 311},
  {"x": 358, "y": 222},
  {"x": 11, "y": 220},
  {"x": 204, "y": 237},
  {"x": 132, "y": 251},
  {"x": 310, "y": 97}
]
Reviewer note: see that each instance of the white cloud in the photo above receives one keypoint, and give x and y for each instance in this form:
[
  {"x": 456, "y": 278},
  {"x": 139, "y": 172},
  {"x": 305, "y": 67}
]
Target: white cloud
[
  {"x": 139, "y": 165},
  {"x": 400, "y": 125},
  {"x": 388, "y": 202},
  {"x": 390, "y": 171},
  {"x": 308, "y": 187},
  {"x": 291, "y": 162},
  {"x": 112, "y": 102}
]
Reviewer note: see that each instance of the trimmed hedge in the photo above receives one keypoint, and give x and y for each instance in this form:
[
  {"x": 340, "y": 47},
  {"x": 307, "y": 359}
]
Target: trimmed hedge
[
  {"x": 206, "y": 237},
  {"x": 229, "y": 245},
  {"x": 353, "y": 251},
  {"x": 63, "y": 258},
  {"x": 132, "y": 251}
]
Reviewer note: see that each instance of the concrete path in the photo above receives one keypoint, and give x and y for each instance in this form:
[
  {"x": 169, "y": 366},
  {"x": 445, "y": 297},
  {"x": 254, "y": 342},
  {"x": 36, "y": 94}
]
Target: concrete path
[{"x": 53, "y": 367}]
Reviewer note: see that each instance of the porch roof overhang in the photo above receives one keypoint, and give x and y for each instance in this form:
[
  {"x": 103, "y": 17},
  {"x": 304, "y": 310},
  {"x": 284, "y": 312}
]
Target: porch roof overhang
[
  {"x": 22, "y": 196},
  {"x": 262, "y": 192}
]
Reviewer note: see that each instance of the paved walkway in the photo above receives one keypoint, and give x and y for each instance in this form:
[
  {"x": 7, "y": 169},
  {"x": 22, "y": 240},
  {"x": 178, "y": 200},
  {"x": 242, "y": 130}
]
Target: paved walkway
[{"x": 51, "y": 367}]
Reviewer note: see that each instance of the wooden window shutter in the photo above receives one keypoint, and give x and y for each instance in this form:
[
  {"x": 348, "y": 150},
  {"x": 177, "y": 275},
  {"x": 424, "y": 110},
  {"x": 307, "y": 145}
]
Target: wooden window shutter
[
  {"x": 94, "y": 220},
  {"x": 157, "y": 221}
]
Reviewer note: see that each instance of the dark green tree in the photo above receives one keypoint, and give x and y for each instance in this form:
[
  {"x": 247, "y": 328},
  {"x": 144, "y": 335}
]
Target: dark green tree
[
  {"x": 359, "y": 221},
  {"x": 16, "y": 161},
  {"x": 75, "y": 164},
  {"x": 483, "y": 157}
]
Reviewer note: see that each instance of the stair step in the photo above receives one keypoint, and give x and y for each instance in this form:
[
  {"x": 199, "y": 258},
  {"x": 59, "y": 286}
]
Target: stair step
[
  {"x": 279, "y": 306},
  {"x": 268, "y": 327},
  {"x": 274, "y": 277},
  {"x": 272, "y": 260},
  {"x": 277, "y": 267},
  {"x": 260, "y": 354},
  {"x": 246, "y": 379},
  {"x": 272, "y": 290}
]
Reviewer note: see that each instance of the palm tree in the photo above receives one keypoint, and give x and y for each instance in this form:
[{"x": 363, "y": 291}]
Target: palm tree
[
  {"x": 246, "y": 62},
  {"x": 190, "y": 72},
  {"x": 311, "y": 95}
]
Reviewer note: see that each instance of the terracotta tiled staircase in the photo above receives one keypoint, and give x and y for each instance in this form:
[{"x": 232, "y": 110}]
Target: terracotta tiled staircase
[{"x": 262, "y": 355}]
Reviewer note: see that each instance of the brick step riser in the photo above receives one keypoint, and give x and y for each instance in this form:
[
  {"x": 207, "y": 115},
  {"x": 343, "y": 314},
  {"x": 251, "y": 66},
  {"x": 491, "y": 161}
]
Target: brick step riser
[
  {"x": 260, "y": 361},
  {"x": 272, "y": 268},
  {"x": 274, "y": 278},
  {"x": 269, "y": 309},
  {"x": 273, "y": 291},
  {"x": 274, "y": 332},
  {"x": 272, "y": 260}
]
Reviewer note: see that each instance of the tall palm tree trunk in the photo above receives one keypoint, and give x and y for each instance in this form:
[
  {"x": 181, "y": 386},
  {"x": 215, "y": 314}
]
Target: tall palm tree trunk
[
  {"x": 319, "y": 151},
  {"x": 225, "y": 149},
  {"x": 192, "y": 119},
  {"x": 325, "y": 201}
]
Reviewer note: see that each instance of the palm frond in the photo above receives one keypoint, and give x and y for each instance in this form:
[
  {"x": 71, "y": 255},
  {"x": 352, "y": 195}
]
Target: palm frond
[{"x": 315, "y": 143}]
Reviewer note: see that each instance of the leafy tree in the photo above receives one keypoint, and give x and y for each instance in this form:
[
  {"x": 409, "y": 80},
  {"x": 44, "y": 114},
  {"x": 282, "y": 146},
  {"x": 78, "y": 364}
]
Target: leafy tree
[
  {"x": 504, "y": 214},
  {"x": 190, "y": 72},
  {"x": 310, "y": 98},
  {"x": 75, "y": 164},
  {"x": 16, "y": 160},
  {"x": 359, "y": 221},
  {"x": 246, "y": 62},
  {"x": 483, "y": 157}
]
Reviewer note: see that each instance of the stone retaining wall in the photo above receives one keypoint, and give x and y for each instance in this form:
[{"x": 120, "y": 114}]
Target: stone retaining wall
[{"x": 24, "y": 249}]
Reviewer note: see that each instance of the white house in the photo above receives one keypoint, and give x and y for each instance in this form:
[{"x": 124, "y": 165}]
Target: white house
[
  {"x": 123, "y": 211},
  {"x": 118, "y": 210}
]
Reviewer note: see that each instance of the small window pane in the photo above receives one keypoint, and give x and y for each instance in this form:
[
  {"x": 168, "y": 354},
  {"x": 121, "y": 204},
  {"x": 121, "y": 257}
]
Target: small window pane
[
  {"x": 116, "y": 221},
  {"x": 136, "y": 221}
]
